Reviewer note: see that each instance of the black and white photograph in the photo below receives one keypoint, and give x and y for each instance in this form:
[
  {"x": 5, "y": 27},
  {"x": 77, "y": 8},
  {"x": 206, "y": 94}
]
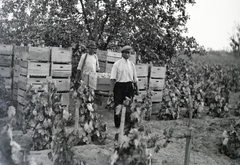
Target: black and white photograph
[{"x": 119, "y": 82}]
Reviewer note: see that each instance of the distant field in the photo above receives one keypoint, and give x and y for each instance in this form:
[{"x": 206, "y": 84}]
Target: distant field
[{"x": 213, "y": 58}]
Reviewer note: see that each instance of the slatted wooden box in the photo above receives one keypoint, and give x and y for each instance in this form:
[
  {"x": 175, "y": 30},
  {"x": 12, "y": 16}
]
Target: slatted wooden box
[
  {"x": 156, "y": 84},
  {"x": 158, "y": 72},
  {"x": 32, "y": 53},
  {"x": 109, "y": 67},
  {"x": 108, "y": 55},
  {"x": 20, "y": 107},
  {"x": 85, "y": 78},
  {"x": 97, "y": 82},
  {"x": 102, "y": 65},
  {"x": 18, "y": 51},
  {"x": 8, "y": 82},
  {"x": 156, "y": 96},
  {"x": 61, "y": 55},
  {"x": 101, "y": 100},
  {"x": 142, "y": 83},
  {"x": 61, "y": 70},
  {"x": 142, "y": 70},
  {"x": 156, "y": 108},
  {"x": 5, "y": 60},
  {"x": 5, "y": 71},
  {"x": 24, "y": 82},
  {"x": 21, "y": 96},
  {"x": 31, "y": 68},
  {"x": 65, "y": 99},
  {"x": 6, "y": 49},
  {"x": 62, "y": 84}
]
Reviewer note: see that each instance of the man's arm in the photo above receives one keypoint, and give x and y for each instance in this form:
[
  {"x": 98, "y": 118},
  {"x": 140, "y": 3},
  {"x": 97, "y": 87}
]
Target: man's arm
[
  {"x": 78, "y": 76},
  {"x": 112, "y": 83}
]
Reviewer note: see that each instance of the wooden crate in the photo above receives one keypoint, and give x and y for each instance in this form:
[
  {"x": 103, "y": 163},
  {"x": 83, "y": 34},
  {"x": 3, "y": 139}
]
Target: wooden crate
[
  {"x": 8, "y": 82},
  {"x": 14, "y": 97},
  {"x": 25, "y": 82},
  {"x": 20, "y": 107},
  {"x": 62, "y": 84},
  {"x": 101, "y": 100},
  {"x": 18, "y": 51},
  {"x": 61, "y": 70},
  {"x": 15, "y": 85},
  {"x": 156, "y": 96},
  {"x": 32, "y": 68},
  {"x": 102, "y": 65},
  {"x": 156, "y": 84},
  {"x": 142, "y": 83},
  {"x": 156, "y": 108},
  {"x": 99, "y": 83},
  {"x": 6, "y": 60},
  {"x": 15, "y": 75},
  {"x": 6, "y": 49},
  {"x": 112, "y": 59},
  {"x": 158, "y": 72},
  {"x": 21, "y": 96},
  {"x": 61, "y": 55},
  {"x": 5, "y": 71},
  {"x": 109, "y": 67},
  {"x": 142, "y": 93},
  {"x": 142, "y": 70},
  {"x": 85, "y": 78},
  {"x": 108, "y": 55},
  {"x": 65, "y": 99},
  {"x": 35, "y": 54}
]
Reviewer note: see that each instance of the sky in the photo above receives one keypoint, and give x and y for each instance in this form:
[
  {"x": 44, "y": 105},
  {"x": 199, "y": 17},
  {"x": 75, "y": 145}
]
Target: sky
[{"x": 212, "y": 22}]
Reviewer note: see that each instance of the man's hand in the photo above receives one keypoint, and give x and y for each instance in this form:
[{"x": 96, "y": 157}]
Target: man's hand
[
  {"x": 136, "y": 92},
  {"x": 110, "y": 93}
]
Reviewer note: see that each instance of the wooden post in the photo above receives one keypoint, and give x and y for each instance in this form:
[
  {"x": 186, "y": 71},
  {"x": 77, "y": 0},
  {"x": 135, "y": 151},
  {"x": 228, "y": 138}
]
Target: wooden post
[
  {"x": 77, "y": 116},
  {"x": 189, "y": 135},
  {"x": 122, "y": 124}
]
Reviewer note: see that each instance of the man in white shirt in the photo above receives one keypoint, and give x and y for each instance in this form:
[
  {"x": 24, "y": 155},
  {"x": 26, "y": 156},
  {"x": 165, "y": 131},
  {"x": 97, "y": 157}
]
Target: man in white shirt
[
  {"x": 123, "y": 81},
  {"x": 88, "y": 62}
]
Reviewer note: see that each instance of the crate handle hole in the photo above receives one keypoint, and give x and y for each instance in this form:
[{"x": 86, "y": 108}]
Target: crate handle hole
[{"x": 38, "y": 65}]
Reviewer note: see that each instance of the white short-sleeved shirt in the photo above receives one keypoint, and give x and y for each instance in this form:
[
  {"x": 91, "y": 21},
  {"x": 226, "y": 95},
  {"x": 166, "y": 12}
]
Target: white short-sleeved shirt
[
  {"x": 91, "y": 63},
  {"x": 124, "y": 71}
]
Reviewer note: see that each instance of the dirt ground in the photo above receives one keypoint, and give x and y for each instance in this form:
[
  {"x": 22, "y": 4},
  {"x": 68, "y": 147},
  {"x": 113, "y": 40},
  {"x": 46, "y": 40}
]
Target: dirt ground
[{"x": 206, "y": 138}]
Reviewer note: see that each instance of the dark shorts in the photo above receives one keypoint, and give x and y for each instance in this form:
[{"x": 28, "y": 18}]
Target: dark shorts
[{"x": 121, "y": 91}]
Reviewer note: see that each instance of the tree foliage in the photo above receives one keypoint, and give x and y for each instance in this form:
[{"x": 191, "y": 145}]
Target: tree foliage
[{"x": 153, "y": 27}]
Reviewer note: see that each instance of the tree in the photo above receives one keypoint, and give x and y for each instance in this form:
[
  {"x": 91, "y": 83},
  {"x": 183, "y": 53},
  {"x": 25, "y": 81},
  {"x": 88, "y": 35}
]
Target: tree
[
  {"x": 235, "y": 41},
  {"x": 153, "y": 27}
]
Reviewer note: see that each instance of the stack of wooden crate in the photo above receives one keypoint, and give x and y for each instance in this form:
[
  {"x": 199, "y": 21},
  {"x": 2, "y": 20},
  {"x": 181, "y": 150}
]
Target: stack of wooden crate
[
  {"x": 34, "y": 68},
  {"x": 17, "y": 54},
  {"x": 143, "y": 80},
  {"x": 6, "y": 56},
  {"x": 61, "y": 70},
  {"x": 156, "y": 85}
]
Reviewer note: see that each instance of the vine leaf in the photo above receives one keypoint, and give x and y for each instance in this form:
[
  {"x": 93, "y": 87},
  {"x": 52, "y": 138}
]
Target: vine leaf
[{"x": 125, "y": 141}]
